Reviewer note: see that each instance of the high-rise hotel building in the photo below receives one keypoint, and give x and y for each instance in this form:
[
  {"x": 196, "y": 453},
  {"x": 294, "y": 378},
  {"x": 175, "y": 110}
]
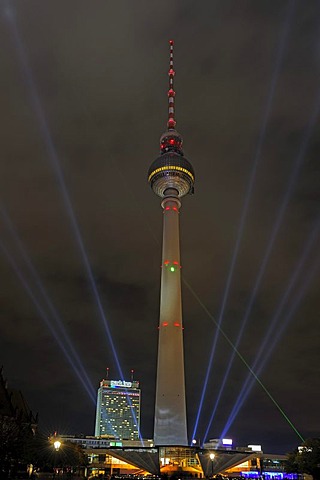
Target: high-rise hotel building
[{"x": 118, "y": 409}]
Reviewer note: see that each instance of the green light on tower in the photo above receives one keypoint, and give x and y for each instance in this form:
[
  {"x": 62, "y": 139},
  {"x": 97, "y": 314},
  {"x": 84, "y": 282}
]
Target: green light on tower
[{"x": 172, "y": 269}]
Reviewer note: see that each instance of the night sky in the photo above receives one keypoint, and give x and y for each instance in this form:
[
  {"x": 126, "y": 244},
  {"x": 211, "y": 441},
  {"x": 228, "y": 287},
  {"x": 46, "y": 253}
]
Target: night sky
[{"x": 83, "y": 105}]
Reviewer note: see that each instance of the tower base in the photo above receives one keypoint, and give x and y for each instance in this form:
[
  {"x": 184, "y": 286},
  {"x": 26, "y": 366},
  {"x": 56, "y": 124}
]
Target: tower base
[{"x": 180, "y": 462}]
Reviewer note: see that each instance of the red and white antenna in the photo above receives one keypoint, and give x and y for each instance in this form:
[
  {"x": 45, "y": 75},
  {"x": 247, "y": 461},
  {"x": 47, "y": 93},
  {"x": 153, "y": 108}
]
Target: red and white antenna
[
  {"x": 131, "y": 372},
  {"x": 107, "y": 373},
  {"x": 171, "y": 93}
]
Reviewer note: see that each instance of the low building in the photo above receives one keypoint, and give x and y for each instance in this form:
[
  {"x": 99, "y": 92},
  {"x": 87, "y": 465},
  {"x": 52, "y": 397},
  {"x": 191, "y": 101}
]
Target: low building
[{"x": 109, "y": 456}]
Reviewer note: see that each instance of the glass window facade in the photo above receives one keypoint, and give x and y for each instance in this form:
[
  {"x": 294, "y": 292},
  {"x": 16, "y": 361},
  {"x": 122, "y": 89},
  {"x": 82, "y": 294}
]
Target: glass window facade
[{"x": 118, "y": 409}]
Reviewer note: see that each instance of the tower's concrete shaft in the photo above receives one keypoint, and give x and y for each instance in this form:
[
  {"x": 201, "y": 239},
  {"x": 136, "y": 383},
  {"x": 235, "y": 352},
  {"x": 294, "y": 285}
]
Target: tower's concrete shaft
[
  {"x": 171, "y": 177},
  {"x": 170, "y": 427}
]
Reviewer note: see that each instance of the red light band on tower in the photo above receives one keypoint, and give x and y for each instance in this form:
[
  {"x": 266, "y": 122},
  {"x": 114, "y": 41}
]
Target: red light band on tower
[
  {"x": 167, "y": 208},
  {"x": 172, "y": 264}
]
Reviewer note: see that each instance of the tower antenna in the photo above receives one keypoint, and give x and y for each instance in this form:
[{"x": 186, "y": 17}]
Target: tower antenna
[{"x": 171, "y": 93}]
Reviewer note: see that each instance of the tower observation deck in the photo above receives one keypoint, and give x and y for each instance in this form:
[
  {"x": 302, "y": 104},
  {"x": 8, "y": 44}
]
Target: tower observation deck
[{"x": 171, "y": 177}]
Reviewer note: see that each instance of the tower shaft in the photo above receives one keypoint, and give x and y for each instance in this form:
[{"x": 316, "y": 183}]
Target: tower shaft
[
  {"x": 171, "y": 177},
  {"x": 170, "y": 426}
]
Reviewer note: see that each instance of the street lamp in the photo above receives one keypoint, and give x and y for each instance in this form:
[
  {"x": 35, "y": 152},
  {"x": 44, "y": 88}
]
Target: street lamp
[
  {"x": 212, "y": 455},
  {"x": 57, "y": 445}
]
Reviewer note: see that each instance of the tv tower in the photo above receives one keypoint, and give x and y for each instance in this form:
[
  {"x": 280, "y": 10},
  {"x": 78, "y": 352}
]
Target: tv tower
[{"x": 171, "y": 177}]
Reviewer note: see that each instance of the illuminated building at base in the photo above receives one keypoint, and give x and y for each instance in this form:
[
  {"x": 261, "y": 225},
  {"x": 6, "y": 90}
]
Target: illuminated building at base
[
  {"x": 118, "y": 409},
  {"x": 104, "y": 457}
]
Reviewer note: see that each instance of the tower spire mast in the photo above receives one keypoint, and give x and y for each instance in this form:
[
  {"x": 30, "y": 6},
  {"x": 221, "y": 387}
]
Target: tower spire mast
[
  {"x": 171, "y": 177},
  {"x": 171, "y": 93}
]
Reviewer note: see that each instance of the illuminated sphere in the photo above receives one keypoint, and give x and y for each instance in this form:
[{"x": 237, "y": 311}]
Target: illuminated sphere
[{"x": 171, "y": 170}]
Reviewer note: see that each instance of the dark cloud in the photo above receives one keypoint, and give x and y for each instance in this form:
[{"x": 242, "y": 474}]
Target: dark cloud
[{"x": 99, "y": 72}]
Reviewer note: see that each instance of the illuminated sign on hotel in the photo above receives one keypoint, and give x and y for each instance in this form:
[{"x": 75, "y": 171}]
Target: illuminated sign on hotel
[{"x": 120, "y": 383}]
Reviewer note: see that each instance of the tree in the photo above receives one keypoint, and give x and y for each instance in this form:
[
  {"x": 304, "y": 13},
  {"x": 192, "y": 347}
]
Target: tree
[
  {"x": 17, "y": 428},
  {"x": 306, "y": 459},
  {"x": 14, "y": 438}
]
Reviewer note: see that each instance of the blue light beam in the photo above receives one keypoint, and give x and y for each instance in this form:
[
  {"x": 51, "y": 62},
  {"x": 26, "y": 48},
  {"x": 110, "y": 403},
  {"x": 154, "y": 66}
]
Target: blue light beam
[
  {"x": 46, "y": 297},
  {"x": 265, "y": 352},
  {"x": 246, "y": 388},
  {"x": 256, "y": 161},
  {"x": 46, "y": 319},
  {"x": 293, "y": 281},
  {"x": 285, "y": 201},
  {"x": 243, "y": 360},
  {"x": 58, "y": 172},
  {"x": 59, "y": 175},
  {"x": 292, "y": 180}
]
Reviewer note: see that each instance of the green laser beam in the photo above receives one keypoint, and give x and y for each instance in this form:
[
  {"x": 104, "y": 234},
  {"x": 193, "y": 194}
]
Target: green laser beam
[{"x": 285, "y": 416}]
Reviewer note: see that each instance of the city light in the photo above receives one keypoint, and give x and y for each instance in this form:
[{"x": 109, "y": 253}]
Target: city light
[
  {"x": 57, "y": 445},
  {"x": 255, "y": 448},
  {"x": 212, "y": 457},
  {"x": 227, "y": 441}
]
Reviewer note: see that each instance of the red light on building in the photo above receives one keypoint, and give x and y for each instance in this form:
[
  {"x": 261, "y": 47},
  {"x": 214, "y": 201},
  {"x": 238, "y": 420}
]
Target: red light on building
[{"x": 171, "y": 123}]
